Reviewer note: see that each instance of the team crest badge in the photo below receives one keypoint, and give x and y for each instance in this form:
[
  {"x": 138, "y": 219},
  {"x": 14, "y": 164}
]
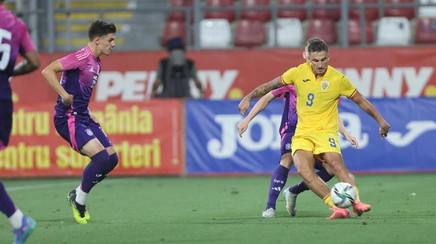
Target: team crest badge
[
  {"x": 89, "y": 132},
  {"x": 324, "y": 85}
]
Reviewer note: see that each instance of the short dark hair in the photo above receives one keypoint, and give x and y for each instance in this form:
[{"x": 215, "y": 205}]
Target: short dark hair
[
  {"x": 100, "y": 28},
  {"x": 317, "y": 45}
]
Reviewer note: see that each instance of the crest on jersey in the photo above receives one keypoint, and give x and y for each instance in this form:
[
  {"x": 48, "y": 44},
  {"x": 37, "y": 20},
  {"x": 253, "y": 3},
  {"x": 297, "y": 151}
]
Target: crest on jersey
[
  {"x": 324, "y": 85},
  {"x": 89, "y": 132}
]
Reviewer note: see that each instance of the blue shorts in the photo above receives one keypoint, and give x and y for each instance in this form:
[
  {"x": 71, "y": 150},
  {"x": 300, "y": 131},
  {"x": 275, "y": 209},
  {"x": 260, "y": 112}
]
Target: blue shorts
[
  {"x": 79, "y": 129},
  {"x": 6, "y": 109}
]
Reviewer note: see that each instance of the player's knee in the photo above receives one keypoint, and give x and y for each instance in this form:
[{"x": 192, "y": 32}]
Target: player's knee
[
  {"x": 286, "y": 164},
  {"x": 306, "y": 175},
  {"x": 338, "y": 168},
  {"x": 113, "y": 161},
  {"x": 101, "y": 157}
]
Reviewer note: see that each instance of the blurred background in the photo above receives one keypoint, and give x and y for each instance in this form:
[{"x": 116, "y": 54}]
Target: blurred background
[
  {"x": 386, "y": 47},
  {"x": 58, "y": 25}
]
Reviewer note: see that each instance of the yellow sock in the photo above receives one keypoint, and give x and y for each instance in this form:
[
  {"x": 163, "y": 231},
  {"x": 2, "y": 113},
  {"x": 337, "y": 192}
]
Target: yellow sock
[
  {"x": 357, "y": 193},
  {"x": 328, "y": 201}
]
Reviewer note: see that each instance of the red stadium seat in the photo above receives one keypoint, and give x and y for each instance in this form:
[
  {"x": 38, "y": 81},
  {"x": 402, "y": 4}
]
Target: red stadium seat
[
  {"x": 229, "y": 15},
  {"x": 180, "y": 15},
  {"x": 425, "y": 30},
  {"x": 409, "y": 13},
  {"x": 249, "y": 33},
  {"x": 324, "y": 29},
  {"x": 333, "y": 14},
  {"x": 300, "y": 14},
  {"x": 355, "y": 34},
  {"x": 371, "y": 14},
  {"x": 260, "y": 15},
  {"x": 173, "y": 29}
]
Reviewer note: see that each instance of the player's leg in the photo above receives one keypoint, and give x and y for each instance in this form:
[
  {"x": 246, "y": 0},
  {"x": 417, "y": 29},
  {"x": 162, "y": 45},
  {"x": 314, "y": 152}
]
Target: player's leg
[
  {"x": 278, "y": 181},
  {"x": 6, "y": 109},
  {"x": 292, "y": 192},
  {"x": 323, "y": 172},
  {"x": 303, "y": 148},
  {"x": 327, "y": 143},
  {"x": 336, "y": 162},
  {"x": 104, "y": 140},
  {"x": 305, "y": 163},
  {"x": 280, "y": 175},
  {"x": 22, "y": 225},
  {"x": 90, "y": 177}
]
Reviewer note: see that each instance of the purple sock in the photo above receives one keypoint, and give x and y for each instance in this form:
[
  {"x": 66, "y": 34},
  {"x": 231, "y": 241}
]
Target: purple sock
[
  {"x": 94, "y": 170},
  {"x": 278, "y": 181},
  {"x": 300, "y": 187},
  {"x": 113, "y": 161},
  {"x": 6, "y": 204}
]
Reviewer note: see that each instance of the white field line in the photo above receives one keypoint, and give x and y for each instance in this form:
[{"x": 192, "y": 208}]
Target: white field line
[{"x": 57, "y": 184}]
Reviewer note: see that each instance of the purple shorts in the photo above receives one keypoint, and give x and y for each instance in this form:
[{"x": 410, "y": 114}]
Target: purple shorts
[
  {"x": 6, "y": 109},
  {"x": 79, "y": 129},
  {"x": 285, "y": 145}
]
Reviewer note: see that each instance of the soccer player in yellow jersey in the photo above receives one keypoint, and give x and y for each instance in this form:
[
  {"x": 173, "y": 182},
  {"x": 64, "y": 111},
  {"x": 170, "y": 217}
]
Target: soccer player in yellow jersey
[{"x": 319, "y": 87}]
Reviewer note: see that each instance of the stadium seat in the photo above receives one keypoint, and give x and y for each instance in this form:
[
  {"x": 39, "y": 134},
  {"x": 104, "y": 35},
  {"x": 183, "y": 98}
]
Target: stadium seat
[
  {"x": 333, "y": 14},
  {"x": 180, "y": 15},
  {"x": 289, "y": 33},
  {"x": 355, "y": 33},
  {"x": 393, "y": 31},
  {"x": 301, "y": 14},
  {"x": 408, "y": 12},
  {"x": 214, "y": 14},
  {"x": 215, "y": 33},
  {"x": 371, "y": 14},
  {"x": 249, "y": 33},
  {"x": 427, "y": 11},
  {"x": 173, "y": 29},
  {"x": 425, "y": 30},
  {"x": 323, "y": 28},
  {"x": 260, "y": 15}
]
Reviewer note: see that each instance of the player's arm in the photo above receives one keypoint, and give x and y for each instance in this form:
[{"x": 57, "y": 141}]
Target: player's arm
[
  {"x": 199, "y": 87},
  {"x": 347, "y": 135},
  {"x": 156, "y": 85},
  {"x": 366, "y": 106},
  {"x": 158, "y": 80},
  {"x": 258, "y": 92},
  {"x": 196, "y": 80},
  {"x": 50, "y": 75},
  {"x": 30, "y": 63},
  {"x": 258, "y": 107}
]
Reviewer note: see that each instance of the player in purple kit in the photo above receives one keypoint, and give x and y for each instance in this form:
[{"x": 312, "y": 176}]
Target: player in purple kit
[
  {"x": 287, "y": 131},
  {"x": 73, "y": 120},
  {"x": 14, "y": 40}
]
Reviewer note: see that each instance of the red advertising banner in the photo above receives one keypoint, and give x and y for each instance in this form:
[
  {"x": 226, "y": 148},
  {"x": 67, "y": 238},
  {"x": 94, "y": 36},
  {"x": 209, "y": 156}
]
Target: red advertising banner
[
  {"x": 147, "y": 137},
  {"x": 128, "y": 76}
]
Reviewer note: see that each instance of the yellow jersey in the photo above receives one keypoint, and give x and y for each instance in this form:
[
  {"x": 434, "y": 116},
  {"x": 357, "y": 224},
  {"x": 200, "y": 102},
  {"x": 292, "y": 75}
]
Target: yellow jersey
[{"x": 317, "y": 99}]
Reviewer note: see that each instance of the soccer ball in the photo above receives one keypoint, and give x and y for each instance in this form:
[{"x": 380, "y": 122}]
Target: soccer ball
[{"x": 343, "y": 195}]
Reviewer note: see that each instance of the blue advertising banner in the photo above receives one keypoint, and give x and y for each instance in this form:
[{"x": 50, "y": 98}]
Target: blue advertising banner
[
  {"x": 410, "y": 144},
  {"x": 214, "y": 147}
]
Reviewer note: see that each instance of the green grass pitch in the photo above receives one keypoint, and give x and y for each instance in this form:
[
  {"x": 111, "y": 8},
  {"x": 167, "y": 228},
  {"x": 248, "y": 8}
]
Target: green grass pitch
[{"x": 223, "y": 210}]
